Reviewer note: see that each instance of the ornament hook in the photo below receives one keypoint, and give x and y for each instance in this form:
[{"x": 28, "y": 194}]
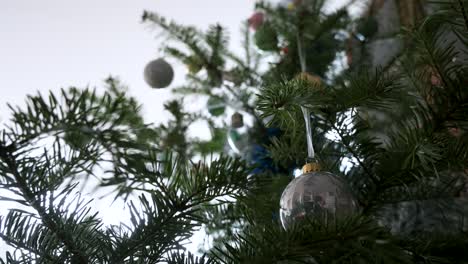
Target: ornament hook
[{"x": 305, "y": 110}]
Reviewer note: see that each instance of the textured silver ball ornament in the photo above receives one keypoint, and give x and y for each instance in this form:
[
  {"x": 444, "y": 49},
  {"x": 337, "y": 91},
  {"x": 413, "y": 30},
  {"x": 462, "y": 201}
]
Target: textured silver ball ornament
[
  {"x": 158, "y": 73},
  {"x": 315, "y": 194}
]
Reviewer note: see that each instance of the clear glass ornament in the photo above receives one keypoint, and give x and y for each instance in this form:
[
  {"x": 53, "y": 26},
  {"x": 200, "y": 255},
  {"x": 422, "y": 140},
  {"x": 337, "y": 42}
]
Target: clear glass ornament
[
  {"x": 318, "y": 194},
  {"x": 216, "y": 106},
  {"x": 238, "y": 141}
]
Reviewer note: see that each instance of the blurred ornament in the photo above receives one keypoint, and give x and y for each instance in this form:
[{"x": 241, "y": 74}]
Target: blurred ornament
[
  {"x": 436, "y": 216},
  {"x": 216, "y": 106},
  {"x": 238, "y": 141},
  {"x": 317, "y": 194},
  {"x": 260, "y": 156},
  {"x": 435, "y": 80},
  {"x": 432, "y": 76},
  {"x": 454, "y": 130},
  {"x": 260, "y": 159},
  {"x": 290, "y": 4},
  {"x": 256, "y": 20},
  {"x": 349, "y": 57},
  {"x": 353, "y": 48},
  {"x": 266, "y": 38},
  {"x": 78, "y": 138},
  {"x": 194, "y": 64},
  {"x": 367, "y": 27},
  {"x": 158, "y": 73},
  {"x": 312, "y": 79},
  {"x": 284, "y": 50},
  {"x": 236, "y": 76},
  {"x": 237, "y": 120}
]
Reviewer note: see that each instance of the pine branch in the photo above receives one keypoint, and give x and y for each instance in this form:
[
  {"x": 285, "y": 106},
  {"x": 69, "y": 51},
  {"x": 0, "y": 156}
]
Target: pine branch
[
  {"x": 50, "y": 220},
  {"x": 187, "y": 35},
  {"x": 18, "y": 244},
  {"x": 206, "y": 47},
  {"x": 182, "y": 258},
  {"x": 359, "y": 158},
  {"x": 174, "y": 209},
  {"x": 166, "y": 222},
  {"x": 246, "y": 44},
  {"x": 217, "y": 40},
  {"x": 312, "y": 242}
]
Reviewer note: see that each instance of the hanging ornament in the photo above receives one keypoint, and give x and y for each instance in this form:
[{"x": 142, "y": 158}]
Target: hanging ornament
[
  {"x": 77, "y": 139},
  {"x": 216, "y": 106},
  {"x": 158, "y": 73},
  {"x": 256, "y": 20},
  {"x": 266, "y": 38},
  {"x": 434, "y": 75},
  {"x": 426, "y": 216},
  {"x": 238, "y": 142},
  {"x": 284, "y": 50},
  {"x": 350, "y": 44},
  {"x": 312, "y": 79},
  {"x": 237, "y": 120},
  {"x": 320, "y": 195},
  {"x": 454, "y": 129},
  {"x": 235, "y": 75},
  {"x": 367, "y": 27},
  {"x": 435, "y": 80},
  {"x": 290, "y": 4},
  {"x": 238, "y": 137},
  {"x": 260, "y": 157}
]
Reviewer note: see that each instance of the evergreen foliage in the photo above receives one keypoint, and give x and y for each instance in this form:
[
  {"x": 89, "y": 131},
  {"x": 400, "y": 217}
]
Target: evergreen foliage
[{"x": 397, "y": 136}]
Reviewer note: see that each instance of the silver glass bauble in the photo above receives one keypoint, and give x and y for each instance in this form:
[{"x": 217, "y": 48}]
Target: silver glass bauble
[
  {"x": 318, "y": 195},
  {"x": 158, "y": 73}
]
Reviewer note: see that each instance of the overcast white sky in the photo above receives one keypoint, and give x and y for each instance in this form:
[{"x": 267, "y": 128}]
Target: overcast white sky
[{"x": 49, "y": 44}]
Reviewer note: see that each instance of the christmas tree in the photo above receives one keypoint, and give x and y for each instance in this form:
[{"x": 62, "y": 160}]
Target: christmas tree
[{"x": 374, "y": 106}]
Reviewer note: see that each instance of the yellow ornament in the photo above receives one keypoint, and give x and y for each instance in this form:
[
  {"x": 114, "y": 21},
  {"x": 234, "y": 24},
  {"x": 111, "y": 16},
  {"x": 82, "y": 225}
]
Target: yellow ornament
[
  {"x": 194, "y": 64},
  {"x": 312, "y": 79},
  {"x": 193, "y": 68}
]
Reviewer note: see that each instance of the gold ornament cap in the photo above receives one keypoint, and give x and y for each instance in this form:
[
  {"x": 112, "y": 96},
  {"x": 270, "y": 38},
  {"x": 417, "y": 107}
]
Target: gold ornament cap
[{"x": 310, "y": 167}]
